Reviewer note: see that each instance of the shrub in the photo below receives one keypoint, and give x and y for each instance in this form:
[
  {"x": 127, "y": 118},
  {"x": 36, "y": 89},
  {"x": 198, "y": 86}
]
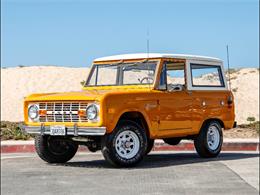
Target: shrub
[
  {"x": 232, "y": 71},
  {"x": 12, "y": 130},
  {"x": 235, "y": 89},
  {"x": 82, "y": 83},
  {"x": 253, "y": 125},
  {"x": 250, "y": 119},
  {"x": 233, "y": 78}
]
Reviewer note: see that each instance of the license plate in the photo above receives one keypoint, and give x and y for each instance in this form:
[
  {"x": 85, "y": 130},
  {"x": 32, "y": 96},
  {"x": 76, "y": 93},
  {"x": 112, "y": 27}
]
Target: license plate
[{"x": 57, "y": 130}]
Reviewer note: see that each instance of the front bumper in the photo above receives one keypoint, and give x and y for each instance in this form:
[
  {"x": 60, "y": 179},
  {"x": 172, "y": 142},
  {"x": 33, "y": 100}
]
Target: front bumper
[{"x": 74, "y": 131}]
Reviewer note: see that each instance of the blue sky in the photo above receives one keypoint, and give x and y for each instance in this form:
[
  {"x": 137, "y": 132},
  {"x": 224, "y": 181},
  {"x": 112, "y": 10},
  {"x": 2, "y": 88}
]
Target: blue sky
[{"x": 73, "y": 33}]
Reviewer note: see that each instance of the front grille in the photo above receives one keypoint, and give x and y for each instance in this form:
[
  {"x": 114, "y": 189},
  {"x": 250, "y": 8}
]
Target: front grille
[{"x": 62, "y": 111}]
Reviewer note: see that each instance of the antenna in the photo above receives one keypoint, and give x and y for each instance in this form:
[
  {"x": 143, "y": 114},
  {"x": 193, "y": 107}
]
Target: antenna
[
  {"x": 147, "y": 50},
  {"x": 147, "y": 44},
  {"x": 229, "y": 81}
]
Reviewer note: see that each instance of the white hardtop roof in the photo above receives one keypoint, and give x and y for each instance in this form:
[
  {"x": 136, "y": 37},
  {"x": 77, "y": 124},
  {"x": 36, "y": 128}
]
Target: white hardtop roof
[{"x": 156, "y": 55}]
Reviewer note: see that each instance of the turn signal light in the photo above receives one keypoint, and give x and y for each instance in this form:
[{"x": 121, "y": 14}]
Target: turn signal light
[
  {"x": 82, "y": 112},
  {"x": 42, "y": 112}
]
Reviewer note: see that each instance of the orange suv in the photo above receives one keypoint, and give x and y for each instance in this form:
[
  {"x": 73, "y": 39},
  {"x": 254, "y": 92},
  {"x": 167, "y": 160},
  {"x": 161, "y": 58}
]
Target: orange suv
[{"x": 130, "y": 100}]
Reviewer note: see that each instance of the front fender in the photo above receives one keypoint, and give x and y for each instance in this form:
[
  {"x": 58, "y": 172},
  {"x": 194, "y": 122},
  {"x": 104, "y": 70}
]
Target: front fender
[{"x": 114, "y": 118}]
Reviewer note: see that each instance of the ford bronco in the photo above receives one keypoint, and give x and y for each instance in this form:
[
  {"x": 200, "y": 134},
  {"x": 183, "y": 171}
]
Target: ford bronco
[{"x": 130, "y": 100}]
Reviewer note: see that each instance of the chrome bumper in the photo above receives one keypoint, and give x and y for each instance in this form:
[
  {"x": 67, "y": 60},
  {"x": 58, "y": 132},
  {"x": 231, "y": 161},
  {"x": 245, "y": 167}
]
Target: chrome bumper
[{"x": 74, "y": 131}]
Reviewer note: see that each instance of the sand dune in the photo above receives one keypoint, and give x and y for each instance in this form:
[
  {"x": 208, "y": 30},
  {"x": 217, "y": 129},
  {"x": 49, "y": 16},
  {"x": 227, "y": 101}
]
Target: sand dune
[
  {"x": 18, "y": 82},
  {"x": 245, "y": 87}
]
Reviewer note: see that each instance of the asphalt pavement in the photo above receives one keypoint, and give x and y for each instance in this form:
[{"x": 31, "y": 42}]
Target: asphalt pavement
[{"x": 159, "y": 173}]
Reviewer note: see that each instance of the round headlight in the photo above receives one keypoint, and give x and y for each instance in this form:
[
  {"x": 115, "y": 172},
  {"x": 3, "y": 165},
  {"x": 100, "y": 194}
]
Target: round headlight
[
  {"x": 33, "y": 112},
  {"x": 92, "y": 112}
]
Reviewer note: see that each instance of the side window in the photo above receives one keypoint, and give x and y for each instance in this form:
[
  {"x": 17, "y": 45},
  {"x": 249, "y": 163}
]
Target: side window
[
  {"x": 162, "y": 85},
  {"x": 206, "y": 76},
  {"x": 172, "y": 76},
  {"x": 175, "y": 74}
]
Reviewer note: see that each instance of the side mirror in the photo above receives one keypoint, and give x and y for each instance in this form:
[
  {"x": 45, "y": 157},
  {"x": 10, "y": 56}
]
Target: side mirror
[{"x": 177, "y": 87}]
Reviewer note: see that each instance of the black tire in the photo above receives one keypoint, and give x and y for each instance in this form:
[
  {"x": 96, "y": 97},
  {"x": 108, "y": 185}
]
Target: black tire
[
  {"x": 203, "y": 147},
  {"x": 110, "y": 144},
  {"x": 172, "y": 141},
  {"x": 149, "y": 146},
  {"x": 91, "y": 149},
  {"x": 55, "y": 149}
]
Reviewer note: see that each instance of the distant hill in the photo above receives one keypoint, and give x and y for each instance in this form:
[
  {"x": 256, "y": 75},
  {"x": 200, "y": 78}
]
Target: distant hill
[{"x": 18, "y": 82}]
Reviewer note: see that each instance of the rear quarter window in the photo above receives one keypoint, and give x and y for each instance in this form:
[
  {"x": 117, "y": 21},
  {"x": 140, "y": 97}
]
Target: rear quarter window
[{"x": 206, "y": 75}]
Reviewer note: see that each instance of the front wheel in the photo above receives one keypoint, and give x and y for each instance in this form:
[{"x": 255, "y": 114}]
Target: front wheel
[
  {"x": 209, "y": 142},
  {"x": 126, "y": 145},
  {"x": 149, "y": 146},
  {"x": 55, "y": 149}
]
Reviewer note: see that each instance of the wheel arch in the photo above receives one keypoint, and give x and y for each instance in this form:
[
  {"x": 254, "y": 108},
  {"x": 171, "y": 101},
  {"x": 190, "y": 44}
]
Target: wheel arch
[
  {"x": 213, "y": 119},
  {"x": 136, "y": 117}
]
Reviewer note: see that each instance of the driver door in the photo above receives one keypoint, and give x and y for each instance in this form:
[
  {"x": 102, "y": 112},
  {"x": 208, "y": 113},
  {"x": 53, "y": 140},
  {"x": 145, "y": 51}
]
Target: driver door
[{"x": 175, "y": 102}]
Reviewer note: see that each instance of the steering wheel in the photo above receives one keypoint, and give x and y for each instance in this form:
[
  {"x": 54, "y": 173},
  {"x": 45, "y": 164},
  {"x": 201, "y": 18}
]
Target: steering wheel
[{"x": 146, "y": 78}]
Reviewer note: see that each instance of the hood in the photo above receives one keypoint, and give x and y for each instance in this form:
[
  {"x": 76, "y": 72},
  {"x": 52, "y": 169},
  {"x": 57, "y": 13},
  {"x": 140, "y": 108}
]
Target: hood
[
  {"x": 80, "y": 95},
  {"x": 89, "y": 95}
]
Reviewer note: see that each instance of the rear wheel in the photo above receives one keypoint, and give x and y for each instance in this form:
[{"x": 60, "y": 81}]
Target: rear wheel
[
  {"x": 55, "y": 149},
  {"x": 209, "y": 141},
  {"x": 126, "y": 145}
]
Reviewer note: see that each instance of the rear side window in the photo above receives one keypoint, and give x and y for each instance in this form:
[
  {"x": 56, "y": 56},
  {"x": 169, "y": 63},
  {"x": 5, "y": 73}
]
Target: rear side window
[{"x": 206, "y": 76}]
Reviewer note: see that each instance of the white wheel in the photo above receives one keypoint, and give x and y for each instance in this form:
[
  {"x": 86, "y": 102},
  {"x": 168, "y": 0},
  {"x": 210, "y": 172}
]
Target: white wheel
[
  {"x": 209, "y": 141},
  {"x": 213, "y": 138},
  {"x": 127, "y": 144}
]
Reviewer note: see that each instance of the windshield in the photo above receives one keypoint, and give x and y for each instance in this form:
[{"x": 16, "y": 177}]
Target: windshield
[{"x": 135, "y": 73}]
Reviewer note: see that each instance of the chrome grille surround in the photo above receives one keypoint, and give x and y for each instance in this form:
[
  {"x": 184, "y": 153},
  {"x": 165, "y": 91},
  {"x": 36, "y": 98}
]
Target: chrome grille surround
[{"x": 62, "y": 111}]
